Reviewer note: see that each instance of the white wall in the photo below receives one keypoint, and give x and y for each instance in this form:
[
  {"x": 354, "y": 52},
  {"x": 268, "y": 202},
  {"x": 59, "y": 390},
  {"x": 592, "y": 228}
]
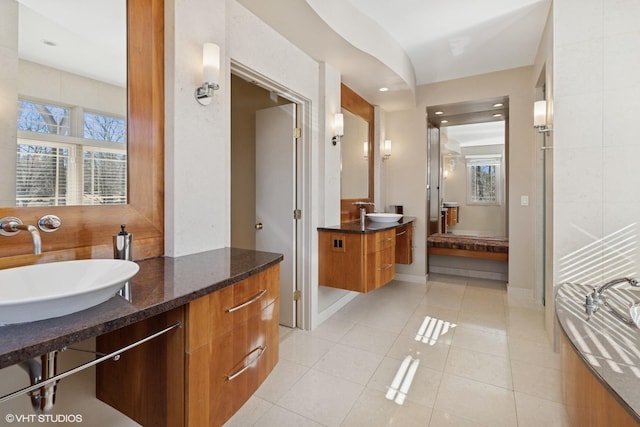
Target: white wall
[
  {"x": 596, "y": 150},
  {"x": 405, "y": 180},
  {"x": 406, "y": 170},
  {"x": 198, "y": 219},
  {"x": 197, "y": 155},
  {"x": 8, "y": 98}
]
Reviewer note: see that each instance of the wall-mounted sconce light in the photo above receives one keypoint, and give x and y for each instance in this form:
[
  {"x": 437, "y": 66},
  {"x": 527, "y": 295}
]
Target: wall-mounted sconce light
[
  {"x": 338, "y": 124},
  {"x": 386, "y": 149},
  {"x": 540, "y": 116},
  {"x": 210, "y": 73},
  {"x": 365, "y": 150}
]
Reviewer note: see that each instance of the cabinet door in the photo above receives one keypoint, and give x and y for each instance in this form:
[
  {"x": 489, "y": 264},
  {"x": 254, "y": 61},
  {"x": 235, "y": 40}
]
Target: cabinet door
[
  {"x": 340, "y": 261},
  {"x": 404, "y": 244}
]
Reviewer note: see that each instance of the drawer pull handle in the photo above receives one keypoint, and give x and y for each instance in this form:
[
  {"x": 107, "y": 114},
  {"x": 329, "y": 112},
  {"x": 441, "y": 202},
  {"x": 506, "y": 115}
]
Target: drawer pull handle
[
  {"x": 386, "y": 267},
  {"x": 401, "y": 233},
  {"x": 244, "y": 304},
  {"x": 251, "y": 362},
  {"x": 387, "y": 239}
]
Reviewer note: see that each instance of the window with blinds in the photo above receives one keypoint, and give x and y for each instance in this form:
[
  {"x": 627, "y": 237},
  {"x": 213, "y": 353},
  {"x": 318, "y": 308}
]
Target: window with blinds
[
  {"x": 483, "y": 180},
  {"x": 104, "y": 177},
  {"x": 41, "y": 175},
  {"x": 59, "y": 166}
]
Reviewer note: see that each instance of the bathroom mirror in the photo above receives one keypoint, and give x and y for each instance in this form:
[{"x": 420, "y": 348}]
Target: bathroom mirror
[
  {"x": 354, "y": 160},
  {"x": 87, "y": 231},
  {"x": 356, "y": 170},
  {"x": 64, "y": 90}
]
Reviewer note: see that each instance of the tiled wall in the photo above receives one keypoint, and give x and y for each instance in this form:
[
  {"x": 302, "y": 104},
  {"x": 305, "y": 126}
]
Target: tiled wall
[{"x": 597, "y": 139}]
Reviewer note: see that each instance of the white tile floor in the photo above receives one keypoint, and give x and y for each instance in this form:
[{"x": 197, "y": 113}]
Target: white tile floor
[{"x": 480, "y": 359}]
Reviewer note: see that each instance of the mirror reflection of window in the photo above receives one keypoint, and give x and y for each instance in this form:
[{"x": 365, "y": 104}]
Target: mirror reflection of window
[
  {"x": 484, "y": 179},
  {"x": 60, "y": 162},
  {"x": 354, "y": 165},
  {"x": 68, "y": 131},
  {"x": 473, "y": 165}
]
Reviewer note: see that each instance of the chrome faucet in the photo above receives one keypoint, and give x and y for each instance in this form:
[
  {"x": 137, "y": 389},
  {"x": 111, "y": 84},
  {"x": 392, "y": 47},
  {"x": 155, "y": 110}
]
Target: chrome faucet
[
  {"x": 11, "y": 225},
  {"x": 363, "y": 210},
  {"x": 595, "y": 299}
]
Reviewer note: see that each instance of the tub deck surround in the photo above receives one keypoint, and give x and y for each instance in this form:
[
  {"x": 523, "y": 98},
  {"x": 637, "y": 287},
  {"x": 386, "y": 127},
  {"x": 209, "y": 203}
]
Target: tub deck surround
[
  {"x": 609, "y": 349},
  {"x": 162, "y": 284},
  {"x": 369, "y": 226}
]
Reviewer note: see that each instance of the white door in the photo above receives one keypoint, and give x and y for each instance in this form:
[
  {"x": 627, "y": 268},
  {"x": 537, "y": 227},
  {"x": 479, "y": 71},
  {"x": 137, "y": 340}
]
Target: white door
[{"x": 276, "y": 197}]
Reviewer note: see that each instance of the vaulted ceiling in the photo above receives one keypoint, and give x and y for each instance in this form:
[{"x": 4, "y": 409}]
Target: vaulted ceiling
[{"x": 402, "y": 44}]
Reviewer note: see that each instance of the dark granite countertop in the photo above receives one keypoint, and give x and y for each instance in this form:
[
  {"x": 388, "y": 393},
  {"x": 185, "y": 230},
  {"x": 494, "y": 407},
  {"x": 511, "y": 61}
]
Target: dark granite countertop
[
  {"x": 608, "y": 347},
  {"x": 161, "y": 285},
  {"x": 369, "y": 226}
]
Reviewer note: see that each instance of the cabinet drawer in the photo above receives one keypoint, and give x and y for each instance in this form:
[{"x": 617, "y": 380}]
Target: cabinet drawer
[
  {"x": 385, "y": 263},
  {"x": 381, "y": 240},
  {"x": 225, "y": 373},
  {"x": 217, "y": 313}
]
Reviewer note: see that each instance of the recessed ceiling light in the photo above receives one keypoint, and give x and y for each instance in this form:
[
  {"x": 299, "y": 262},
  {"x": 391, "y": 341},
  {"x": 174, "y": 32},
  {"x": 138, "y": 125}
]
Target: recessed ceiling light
[
  {"x": 497, "y": 115},
  {"x": 444, "y": 121},
  {"x": 49, "y": 43},
  {"x": 499, "y": 104},
  {"x": 437, "y": 113},
  {"x": 384, "y": 89}
]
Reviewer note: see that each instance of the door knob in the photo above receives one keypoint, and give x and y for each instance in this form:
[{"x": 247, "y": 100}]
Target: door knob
[{"x": 258, "y": 226}]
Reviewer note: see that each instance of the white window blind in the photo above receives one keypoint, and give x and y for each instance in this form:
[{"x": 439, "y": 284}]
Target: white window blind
[
  {"x": 41, "y": 174},
  {"x": 105, "y": 177}
]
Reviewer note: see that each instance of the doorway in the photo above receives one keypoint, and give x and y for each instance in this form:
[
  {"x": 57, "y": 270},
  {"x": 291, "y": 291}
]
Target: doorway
[
  {"x": 265, "y": 176},
  {"x": 467, "y": 187}
]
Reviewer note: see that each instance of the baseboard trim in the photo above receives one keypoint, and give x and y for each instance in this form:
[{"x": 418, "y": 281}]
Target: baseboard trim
[
  {"x": 412, "y": 278},
  {"x": 469, "y": 273},
  {"x": 335, "y": 307}
]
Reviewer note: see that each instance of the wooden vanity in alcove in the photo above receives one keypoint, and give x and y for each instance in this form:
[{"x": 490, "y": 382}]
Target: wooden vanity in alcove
[{"x": 363, "y": 258}]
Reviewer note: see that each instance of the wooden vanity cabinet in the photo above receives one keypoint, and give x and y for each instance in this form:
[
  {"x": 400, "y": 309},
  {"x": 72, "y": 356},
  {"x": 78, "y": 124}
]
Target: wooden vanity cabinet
[
  {"x": 208, "y": 369},
  {"x": 231, "y": 347},
  {"x": 452, "y": 215},
  {"x": 588, "y": 401},
  {"x": 358, "y": 262},
  {"x": 404, "y": 244}
]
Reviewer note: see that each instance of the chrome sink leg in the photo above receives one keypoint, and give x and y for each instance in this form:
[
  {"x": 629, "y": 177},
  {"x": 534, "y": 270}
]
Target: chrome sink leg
[{"x": 39, "y": 370}]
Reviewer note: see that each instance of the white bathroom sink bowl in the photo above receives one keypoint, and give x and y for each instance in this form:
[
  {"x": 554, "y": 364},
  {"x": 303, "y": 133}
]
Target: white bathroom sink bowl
[
  {"x": 384, "y": 217},
  {"x": 44, "y": 291}
]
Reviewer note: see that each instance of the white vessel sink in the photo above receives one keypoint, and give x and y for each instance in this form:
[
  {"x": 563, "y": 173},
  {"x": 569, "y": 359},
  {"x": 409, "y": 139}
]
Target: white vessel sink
[
  {"x": 43, "y": 291},
  {"x": 384, "y": 217}
]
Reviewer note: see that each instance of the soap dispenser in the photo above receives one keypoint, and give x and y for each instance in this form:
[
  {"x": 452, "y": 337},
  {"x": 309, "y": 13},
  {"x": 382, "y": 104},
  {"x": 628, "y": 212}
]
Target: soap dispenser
[{"x": 122, "y": 244}]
